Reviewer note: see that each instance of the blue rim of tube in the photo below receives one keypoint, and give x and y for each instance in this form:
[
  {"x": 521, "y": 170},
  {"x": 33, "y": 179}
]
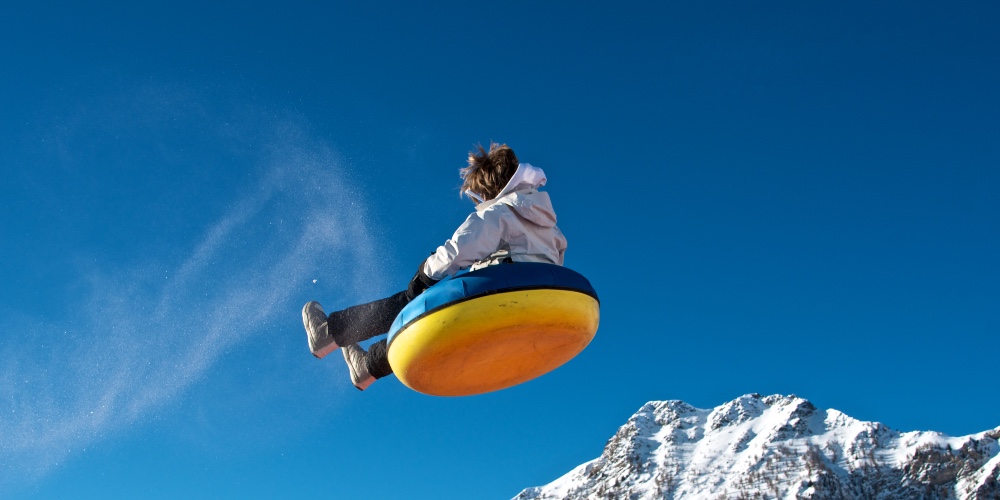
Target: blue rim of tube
[{"x": 499, "y": 278}]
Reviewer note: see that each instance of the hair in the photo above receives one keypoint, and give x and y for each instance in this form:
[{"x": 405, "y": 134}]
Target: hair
[{"x": 489, "y": 171}]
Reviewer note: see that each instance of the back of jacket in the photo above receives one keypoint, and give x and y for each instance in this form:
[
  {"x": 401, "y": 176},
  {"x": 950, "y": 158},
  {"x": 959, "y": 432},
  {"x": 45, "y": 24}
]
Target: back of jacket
[{"x": 520, "y": 220}]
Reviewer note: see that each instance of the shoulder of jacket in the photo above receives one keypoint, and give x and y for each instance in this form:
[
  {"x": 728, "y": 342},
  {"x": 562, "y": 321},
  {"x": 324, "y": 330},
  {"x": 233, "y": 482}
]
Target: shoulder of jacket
[{"x": 499, "y": 207}]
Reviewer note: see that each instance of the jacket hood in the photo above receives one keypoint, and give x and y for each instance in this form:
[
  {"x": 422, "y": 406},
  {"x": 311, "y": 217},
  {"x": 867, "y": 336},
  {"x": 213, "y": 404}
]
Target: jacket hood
[
  {"x": 522, "y": 195},
  {"x": 531, "y": 177}
]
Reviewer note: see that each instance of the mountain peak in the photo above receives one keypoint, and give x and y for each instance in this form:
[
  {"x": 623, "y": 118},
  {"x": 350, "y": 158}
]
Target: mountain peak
[{"x": 777, "y": 446}]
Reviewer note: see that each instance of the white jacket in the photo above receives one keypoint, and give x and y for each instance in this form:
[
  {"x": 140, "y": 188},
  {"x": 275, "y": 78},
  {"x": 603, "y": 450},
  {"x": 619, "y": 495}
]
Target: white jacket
[{"x": 520, "y": 220}]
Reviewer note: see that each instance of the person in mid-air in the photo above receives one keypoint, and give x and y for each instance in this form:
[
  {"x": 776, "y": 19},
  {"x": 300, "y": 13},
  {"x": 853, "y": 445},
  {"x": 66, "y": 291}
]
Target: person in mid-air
[{"x": 513, "y": 222}]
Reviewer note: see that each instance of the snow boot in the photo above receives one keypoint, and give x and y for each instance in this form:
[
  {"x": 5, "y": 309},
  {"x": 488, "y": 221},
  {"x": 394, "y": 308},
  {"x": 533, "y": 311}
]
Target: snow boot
[
  {"x": 357, "y": 362},
  {"x": 314, "y": 319}
]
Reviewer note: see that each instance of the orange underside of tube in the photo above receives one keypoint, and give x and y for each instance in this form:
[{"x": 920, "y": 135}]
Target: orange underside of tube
[{"x": 494, "y": 341}]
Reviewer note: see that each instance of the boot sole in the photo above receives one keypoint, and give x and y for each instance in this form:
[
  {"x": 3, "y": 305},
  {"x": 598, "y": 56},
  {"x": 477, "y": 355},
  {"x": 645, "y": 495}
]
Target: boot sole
[
  {"x": 364, "y": 385},
  {"x": 322, "y": 352}
]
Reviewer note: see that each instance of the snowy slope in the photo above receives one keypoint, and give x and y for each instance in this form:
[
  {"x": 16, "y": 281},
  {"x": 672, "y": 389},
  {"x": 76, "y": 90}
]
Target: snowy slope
[{"x": 777, "y": 447}]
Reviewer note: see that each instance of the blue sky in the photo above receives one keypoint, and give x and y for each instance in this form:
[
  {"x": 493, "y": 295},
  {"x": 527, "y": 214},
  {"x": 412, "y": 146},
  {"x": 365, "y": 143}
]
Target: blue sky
[{"x": 776, "y": 197}]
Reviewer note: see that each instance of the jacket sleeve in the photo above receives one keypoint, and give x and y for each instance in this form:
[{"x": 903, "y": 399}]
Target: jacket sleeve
[{"x": 477, "y": 238}]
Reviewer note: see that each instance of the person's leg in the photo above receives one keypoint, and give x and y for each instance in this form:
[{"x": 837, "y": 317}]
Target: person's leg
[
  {"x": 377, "y": 359},
  {"x": 362, "y": 322},
  {"x": 352, "y": 325}
]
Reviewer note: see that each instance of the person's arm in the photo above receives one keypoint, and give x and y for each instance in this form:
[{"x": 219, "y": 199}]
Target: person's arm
[
  {"x": 419, "y": 283},
  {"x": 477, "y": 238}
]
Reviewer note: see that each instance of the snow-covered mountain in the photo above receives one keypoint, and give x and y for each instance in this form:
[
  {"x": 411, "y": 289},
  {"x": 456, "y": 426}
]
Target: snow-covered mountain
[{"x": 777, "y": 447}]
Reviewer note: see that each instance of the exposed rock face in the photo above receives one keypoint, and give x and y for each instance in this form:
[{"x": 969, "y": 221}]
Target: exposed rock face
[{"x": 777, "y": 447}]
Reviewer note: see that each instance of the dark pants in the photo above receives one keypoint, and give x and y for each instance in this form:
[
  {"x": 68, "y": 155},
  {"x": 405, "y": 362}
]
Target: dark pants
[{"x": 362, "y": 322}]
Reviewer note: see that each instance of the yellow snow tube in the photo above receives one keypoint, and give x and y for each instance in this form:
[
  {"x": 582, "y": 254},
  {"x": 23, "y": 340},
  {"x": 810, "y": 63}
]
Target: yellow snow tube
[{"x": 492, "y": 341}]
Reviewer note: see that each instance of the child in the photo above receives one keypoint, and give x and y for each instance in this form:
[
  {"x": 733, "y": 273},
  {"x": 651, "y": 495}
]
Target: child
[{"x": 513, "y": 221}]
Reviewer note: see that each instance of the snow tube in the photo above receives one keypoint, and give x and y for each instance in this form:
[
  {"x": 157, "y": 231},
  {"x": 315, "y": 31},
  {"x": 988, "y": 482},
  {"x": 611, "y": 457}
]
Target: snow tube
[{"x": 493, "y": 328}]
